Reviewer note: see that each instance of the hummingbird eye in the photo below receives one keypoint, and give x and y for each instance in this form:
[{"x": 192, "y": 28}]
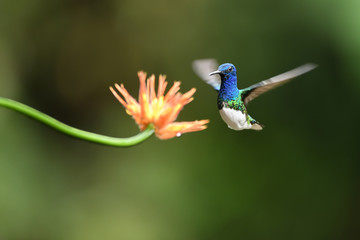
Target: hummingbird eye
[{"x": 230, "y": 69}]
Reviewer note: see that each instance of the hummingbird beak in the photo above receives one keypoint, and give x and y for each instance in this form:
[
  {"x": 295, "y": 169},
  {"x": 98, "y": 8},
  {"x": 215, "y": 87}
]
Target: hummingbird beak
[{"x": 215, "y": 72}]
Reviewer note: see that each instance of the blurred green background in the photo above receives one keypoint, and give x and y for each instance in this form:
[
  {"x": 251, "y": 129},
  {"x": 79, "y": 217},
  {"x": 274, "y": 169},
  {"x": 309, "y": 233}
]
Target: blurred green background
[{"x": 296, "y": 179}]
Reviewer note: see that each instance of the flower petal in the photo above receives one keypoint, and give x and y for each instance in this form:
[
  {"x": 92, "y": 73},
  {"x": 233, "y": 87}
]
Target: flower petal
[
  {"x": 162, "y": 86},
  {"x": 176, "y": 129},
  {"x": 172, "y": 91}
]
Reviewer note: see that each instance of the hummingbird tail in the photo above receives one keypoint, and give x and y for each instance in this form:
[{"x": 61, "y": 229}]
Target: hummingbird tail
[{"x": 255, "y": 125}]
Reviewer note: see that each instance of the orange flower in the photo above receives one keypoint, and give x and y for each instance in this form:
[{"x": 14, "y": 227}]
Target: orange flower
[{"x": 157, "y": 109}]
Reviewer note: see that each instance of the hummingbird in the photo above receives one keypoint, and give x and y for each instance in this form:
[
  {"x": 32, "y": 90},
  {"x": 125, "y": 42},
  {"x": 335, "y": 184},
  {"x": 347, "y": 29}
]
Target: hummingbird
[{"x": 231, "y": 101}]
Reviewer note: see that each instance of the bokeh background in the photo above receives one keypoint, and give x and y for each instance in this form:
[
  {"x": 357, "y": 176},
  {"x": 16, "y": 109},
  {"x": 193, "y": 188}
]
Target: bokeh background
[{"x": 296, "y": 179}]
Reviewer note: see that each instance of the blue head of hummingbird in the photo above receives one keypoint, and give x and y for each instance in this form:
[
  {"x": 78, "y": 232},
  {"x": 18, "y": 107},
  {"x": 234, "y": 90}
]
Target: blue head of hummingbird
[
  {"x": 231, "y": 101},
  {"x": 228, "y": 87}
]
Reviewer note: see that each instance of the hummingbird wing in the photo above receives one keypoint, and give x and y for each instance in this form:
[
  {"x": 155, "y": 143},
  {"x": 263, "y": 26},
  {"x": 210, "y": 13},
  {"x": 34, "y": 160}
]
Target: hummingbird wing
[
  {"x": 250, "y": 93},
  {"x": 202, "y": 67}
]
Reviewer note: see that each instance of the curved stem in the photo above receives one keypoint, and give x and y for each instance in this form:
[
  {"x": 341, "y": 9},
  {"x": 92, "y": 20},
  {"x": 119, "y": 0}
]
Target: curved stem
[{"x": 74, "y": 132}]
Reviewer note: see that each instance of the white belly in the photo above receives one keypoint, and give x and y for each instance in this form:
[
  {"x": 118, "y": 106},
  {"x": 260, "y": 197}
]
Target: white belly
[{"x": 234, "y": 119}]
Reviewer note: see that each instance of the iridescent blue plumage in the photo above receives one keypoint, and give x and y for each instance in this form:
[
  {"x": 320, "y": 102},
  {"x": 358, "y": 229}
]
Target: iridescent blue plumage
[
  {"x": 228, "y": 88},
  {"x": 231, "y": 101}
]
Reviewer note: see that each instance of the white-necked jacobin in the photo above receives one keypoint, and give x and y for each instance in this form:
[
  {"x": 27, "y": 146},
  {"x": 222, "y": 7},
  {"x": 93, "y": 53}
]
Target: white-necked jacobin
[{"x": 231, "y": 101}]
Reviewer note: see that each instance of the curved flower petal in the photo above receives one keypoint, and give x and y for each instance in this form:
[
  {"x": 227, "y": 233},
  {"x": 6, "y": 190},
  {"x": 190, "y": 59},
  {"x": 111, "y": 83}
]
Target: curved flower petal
[{"x": 178, "y": 128}]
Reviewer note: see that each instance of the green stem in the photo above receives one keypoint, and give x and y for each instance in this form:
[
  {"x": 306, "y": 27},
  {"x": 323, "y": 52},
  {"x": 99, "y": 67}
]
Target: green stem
[{"x": 74, "y": 132}]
